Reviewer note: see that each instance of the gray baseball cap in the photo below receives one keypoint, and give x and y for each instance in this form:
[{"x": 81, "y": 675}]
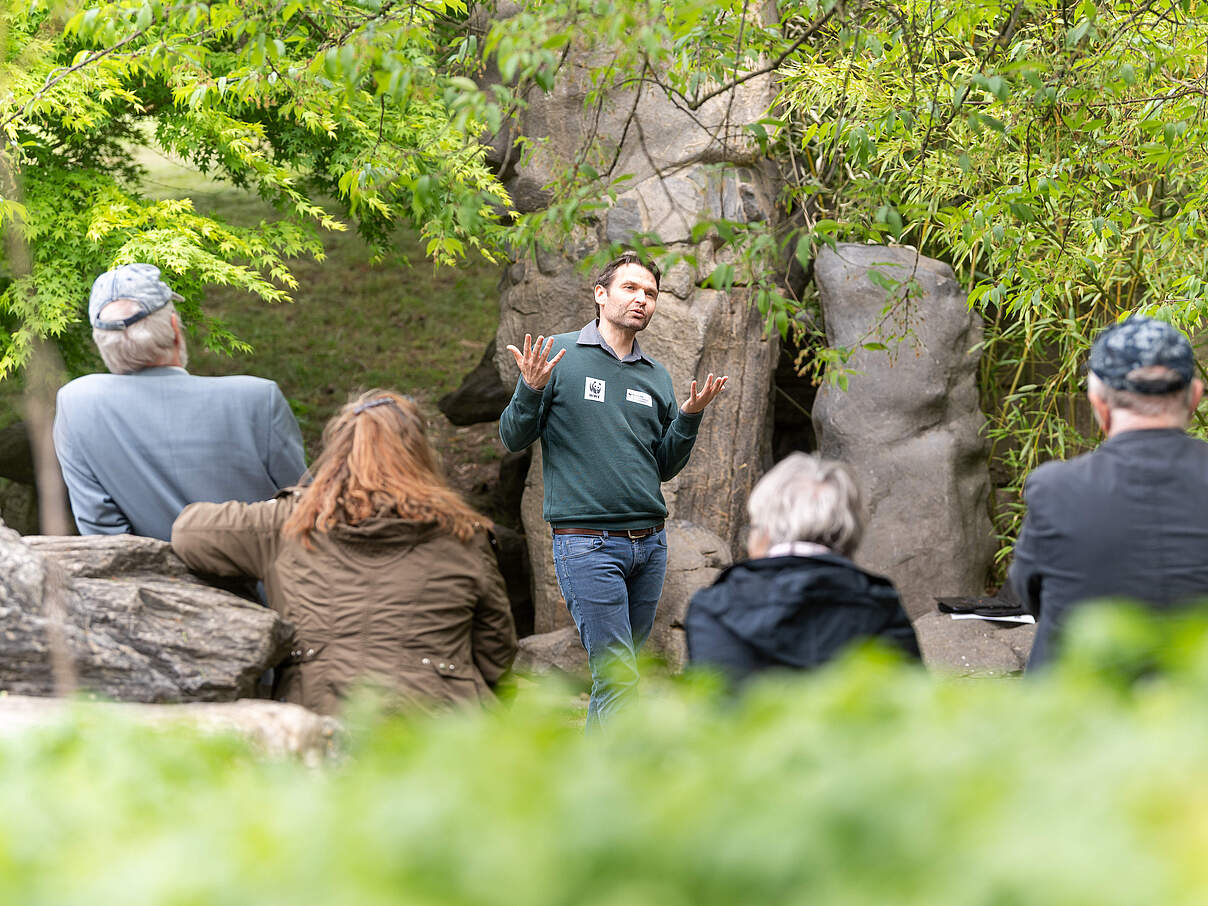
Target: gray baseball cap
[
  {"x": 139, "y": 283},
  {"x": 1141, "y": 342}
]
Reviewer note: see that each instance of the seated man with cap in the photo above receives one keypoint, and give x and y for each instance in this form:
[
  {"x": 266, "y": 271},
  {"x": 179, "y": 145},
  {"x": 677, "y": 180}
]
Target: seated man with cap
[
  {"x": 137, "y": 445},
  {"x": 1130, "y": 518}
]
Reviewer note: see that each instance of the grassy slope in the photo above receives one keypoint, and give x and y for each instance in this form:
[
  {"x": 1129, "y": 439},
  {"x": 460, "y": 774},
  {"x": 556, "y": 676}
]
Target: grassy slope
[{"x": 353, "y": 325}]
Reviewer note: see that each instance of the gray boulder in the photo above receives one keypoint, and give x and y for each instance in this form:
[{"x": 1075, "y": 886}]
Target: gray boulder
[
  {"x": 559, "y": 651},
  {"x": 123, "y": 618},
  {"x": 973, "y": 647},
  {"x": 909, "y": 423},
  {"x": 19, "y": 506},
  {"x": 694, "y": 558},
  {"x": 110, "y": 556}
]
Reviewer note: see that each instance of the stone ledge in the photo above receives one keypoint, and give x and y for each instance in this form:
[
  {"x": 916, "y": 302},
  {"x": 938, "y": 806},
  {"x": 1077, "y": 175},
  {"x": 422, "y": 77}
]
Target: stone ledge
[{"x": 274, "y": 729}]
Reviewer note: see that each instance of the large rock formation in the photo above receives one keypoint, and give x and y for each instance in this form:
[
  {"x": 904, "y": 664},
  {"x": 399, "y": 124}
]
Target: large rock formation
[
  {"x": 123, "y": 618},
  {"x": 909, "y": 422},
  {"x": 686, "y": 167}
]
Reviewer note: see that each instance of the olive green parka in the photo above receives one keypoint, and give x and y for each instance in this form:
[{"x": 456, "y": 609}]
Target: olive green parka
[{"x": 394, "y": 603}]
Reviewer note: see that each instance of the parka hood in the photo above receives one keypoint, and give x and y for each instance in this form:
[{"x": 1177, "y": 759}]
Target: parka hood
[{"x": 385, "y": 529}]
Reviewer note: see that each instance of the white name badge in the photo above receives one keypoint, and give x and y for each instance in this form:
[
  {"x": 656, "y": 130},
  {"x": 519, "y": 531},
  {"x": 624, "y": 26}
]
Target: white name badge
[
  {"x": 637, "y": 396},
  {"x": 594, "y": 390}
]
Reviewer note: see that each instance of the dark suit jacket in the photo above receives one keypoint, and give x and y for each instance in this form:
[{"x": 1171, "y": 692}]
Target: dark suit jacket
[{"x": 1129, "y": 519}]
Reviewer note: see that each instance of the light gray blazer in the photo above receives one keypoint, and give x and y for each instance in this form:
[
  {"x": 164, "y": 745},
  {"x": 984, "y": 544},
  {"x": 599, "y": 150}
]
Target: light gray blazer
[{"x": 135, "y": 449}]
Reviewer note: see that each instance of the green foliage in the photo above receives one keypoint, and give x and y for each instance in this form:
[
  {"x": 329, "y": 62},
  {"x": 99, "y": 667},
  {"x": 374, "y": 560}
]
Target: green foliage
[
  {"x": 1054, "y": 154},
  {"x": 869, "y": 782},
  {"x": 357, "y": 101}
]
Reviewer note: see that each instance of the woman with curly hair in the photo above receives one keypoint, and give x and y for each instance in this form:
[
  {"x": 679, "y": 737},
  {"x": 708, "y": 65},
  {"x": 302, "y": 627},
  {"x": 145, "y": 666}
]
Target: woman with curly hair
[{"x": 388, "y": 577}]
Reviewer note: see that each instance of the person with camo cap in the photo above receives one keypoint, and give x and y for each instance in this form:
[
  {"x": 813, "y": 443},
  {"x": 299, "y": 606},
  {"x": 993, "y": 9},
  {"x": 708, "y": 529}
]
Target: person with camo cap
[{"x": 1130, "y": 518}]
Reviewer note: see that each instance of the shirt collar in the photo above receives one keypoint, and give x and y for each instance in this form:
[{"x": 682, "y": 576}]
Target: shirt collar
[
  {"x": 590, "y": 336},
  {"x": 160, "y": 369},
  {"x": 798, "y": 549}
]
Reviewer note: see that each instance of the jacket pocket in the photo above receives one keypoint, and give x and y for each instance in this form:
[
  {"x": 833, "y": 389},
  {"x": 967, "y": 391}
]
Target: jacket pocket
[{"x": 440, "y": 680}]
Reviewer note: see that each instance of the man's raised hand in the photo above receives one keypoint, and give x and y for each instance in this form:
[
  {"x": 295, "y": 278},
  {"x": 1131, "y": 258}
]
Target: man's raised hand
[
  {"x": 535, "y": 364},
  {"x": 697, "y": 401}
]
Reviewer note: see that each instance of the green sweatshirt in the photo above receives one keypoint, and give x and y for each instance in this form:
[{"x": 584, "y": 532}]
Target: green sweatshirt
[{"x": 611, "y": 431}]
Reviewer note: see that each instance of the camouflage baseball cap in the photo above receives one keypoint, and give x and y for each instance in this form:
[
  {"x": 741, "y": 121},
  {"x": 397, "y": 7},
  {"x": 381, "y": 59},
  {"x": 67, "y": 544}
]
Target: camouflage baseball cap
[
  {"x": 1140, "y": 342},
  {"x": 138, "y": 282}
]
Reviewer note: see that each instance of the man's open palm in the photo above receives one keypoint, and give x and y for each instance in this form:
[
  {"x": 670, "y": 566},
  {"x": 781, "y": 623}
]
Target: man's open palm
[
  {"x": 697, "y": 400},
  {"x": 534, "y": 363}
]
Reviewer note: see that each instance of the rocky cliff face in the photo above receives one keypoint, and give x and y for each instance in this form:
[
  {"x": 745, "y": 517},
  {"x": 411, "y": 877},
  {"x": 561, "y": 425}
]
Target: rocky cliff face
[
  {"x": 686, "y": 167},
  {"x": 909, "y": 422}
]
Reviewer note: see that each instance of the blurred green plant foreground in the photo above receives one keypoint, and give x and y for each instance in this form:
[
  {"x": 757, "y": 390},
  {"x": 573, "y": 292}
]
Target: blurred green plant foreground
[{"x": 870, "y": 782}]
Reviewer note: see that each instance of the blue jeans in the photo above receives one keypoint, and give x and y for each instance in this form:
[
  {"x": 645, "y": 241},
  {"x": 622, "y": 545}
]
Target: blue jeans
[{"x": 612, "y": 587}]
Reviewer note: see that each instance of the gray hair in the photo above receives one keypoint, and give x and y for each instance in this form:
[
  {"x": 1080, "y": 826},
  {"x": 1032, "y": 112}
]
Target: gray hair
[
  {"x": 147, "y": 342},
  {"x": 806, "y": 498},
  {"x": 1175, "y": 403}
]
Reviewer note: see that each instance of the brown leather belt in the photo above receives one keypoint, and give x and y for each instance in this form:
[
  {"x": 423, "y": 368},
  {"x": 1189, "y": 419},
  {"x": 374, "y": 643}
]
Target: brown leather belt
[{"x": 631, "y": 534}]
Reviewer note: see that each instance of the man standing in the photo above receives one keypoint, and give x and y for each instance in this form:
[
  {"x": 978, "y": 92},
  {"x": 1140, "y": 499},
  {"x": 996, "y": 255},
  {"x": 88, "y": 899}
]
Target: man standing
[
  {"x": 137, "y": 445},
  {"x": 1130, "y": 518},
  {"x": 610, "y": 432}
]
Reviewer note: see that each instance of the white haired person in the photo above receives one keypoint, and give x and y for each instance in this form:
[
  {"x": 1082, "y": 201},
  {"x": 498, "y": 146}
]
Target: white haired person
[
  {"x": 140, "y": 443},
  {"x": 799, "y": 600}
]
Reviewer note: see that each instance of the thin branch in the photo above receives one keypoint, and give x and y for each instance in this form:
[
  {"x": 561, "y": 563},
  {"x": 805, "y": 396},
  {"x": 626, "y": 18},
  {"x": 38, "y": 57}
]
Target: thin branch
[
  {"x": 637, "y": 97},
  {"x": 814, "y": 28},
  {"x": 742, "y": 23},
  {"x": 1007, "y": 32}
]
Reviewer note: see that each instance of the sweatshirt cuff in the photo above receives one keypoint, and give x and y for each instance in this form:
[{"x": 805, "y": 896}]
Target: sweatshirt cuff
[
  {"x": 689, "y": 421},
  {"x": 527, "y": 393}
]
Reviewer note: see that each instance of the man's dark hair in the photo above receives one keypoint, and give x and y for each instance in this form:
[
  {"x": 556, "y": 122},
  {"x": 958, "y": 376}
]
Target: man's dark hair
[{"x": 610, "y": 271}]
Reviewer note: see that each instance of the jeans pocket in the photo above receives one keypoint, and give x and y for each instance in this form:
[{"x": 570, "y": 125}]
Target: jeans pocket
[{"x": 568, "y": 547}]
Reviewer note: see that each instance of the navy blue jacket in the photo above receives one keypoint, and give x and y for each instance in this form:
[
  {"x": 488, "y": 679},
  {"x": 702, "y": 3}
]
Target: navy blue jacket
[{"x": 792, "y": 612}]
